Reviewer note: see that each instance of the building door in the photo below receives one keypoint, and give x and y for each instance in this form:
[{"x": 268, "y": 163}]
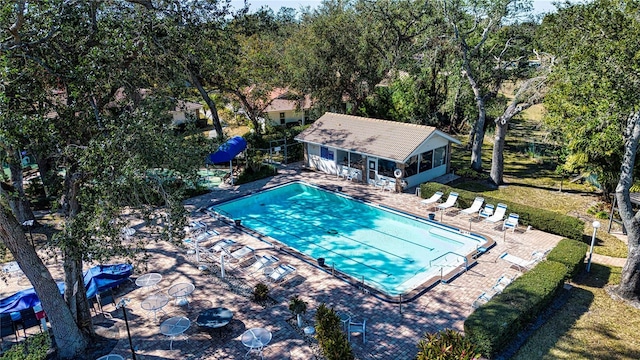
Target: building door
[{"x": 372, "y": 164}]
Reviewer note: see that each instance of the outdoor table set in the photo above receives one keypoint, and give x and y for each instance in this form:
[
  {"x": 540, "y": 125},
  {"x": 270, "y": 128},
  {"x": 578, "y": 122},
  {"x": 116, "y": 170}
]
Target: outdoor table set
[
  {"x": 155, "y": 303},
  {"x": 256, "y": 339},
  {"x": 181, "y": 292},
  {"x": 215, "y": 318},
  {"x": 174, "y": 327}
]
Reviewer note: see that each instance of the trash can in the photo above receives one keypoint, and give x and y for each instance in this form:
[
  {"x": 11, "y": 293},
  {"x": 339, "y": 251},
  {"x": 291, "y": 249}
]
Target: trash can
[
  {"x": 321, "y": 261},
  {"x": 432, "y": 216}
]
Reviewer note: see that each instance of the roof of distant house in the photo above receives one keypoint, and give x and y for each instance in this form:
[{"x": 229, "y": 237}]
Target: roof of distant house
[
  {"x": 386, "y": 139},
  {"x": 284, "y": 100}
]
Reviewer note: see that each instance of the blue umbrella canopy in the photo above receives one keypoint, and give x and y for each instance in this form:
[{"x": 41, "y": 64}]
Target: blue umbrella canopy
[{"x": 227, "y": 151}]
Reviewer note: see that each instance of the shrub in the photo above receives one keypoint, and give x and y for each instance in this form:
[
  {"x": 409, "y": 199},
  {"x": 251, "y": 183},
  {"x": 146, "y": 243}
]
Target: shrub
[
  {"x": 33, "y": 348},
  {"x": 332, "y": 340},
  {"x": 495, "y": 323},
  {"x": 571, "y": 253},
  {"x": 249, "y": 175},
  {"x": 544, "y": 220},
  {"x": 446, "y": 345},
  {"x": 261, "y": 292}
]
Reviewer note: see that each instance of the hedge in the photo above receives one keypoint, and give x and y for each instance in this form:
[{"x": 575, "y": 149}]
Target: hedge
[
  {"x": 544, "y": 220},
  {"x": 492, "y": 326},
  {"x": 571, "y": 253}
]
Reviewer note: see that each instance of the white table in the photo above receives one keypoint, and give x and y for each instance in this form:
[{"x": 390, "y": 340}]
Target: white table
[
  {"x": 111, "y": 357},
  {"x": 149, "y": 280},
  {"x": 173, "y": 327},
  {"x": 256, "y": 339},
  {"x": 181, "y": 292},
  {"x": 155, "y": 303}
]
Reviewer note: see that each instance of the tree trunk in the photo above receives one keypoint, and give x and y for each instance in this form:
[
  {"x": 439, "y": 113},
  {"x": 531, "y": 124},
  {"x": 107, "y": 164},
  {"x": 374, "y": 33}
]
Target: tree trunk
[
  {"x": 69, "y": 339},
  {"x": 497, "y": 157},
  {"x": 212, "y": 106},
  {"x": 478, "y": 139},
  {"x": 629, "y": 288},
  {"x": 77, "y": 301},
  {"x": 45, "y": 168},
  {"x": 17, "y": 199}
]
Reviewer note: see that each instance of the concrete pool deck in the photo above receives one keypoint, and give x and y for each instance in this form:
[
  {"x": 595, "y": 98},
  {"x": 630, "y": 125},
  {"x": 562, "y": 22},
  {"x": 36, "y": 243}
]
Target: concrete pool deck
[{"x": 392, "y": 332}]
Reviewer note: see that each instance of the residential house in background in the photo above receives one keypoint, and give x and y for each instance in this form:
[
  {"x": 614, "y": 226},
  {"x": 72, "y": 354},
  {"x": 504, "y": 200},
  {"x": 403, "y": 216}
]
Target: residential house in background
[{"x": 287, "y": 109}]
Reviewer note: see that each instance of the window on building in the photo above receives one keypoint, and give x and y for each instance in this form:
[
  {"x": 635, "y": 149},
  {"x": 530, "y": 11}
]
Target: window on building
[
  {"x": 282, "y": 119},
  {"x": 411, "y": 166},
  {"x": 440, "y": 156},
  {"x": 326, "y": 153},
  {"x": 426, "y": 161},
  {"x": 306, "y": 116},
  {"x": 386, "y": 167}
]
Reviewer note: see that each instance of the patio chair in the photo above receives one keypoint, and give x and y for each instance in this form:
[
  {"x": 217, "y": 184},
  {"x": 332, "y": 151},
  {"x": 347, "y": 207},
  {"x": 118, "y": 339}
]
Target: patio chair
[
  {"x": 435, "y": 198},
  {"x": 475, "y": 207},
  {"x": 261, "y": 263},
  {"x": 486, "y": 212},
  {"x": 343, "y": 173},
  {"x": 511, "y": 222},
  {"x": 281, "y": 272},
  {"x": 105, "y": 298},
  {"x": 481, "y": 300},
  {"x": 390, "y": 185},
  {"x": 502, "y": 282},
  {"x": 498, "y": 215},
  {"x": 451, "y": 201},
  {"x": 221, "y": 245},
  {"x": 7, "y": 327},
  {"x": 357, "y": 327},
  {"x": 241, "y": 254},
  {"x": 521, "y": 264},
  {"x": 28, "y": 320},
  {"x": 380, "y": 183}
]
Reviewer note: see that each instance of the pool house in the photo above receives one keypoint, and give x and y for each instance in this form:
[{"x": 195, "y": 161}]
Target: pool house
[{"x": 372, "y": 150}]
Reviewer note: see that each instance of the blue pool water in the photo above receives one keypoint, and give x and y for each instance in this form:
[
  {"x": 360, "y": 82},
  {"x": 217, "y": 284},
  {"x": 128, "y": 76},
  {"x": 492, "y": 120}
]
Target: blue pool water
[{"x": 393, "y": 252}]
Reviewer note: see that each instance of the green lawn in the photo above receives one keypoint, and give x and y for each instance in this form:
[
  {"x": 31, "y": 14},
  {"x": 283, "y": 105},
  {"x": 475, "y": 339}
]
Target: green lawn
[{"x": 590, "y": 325}]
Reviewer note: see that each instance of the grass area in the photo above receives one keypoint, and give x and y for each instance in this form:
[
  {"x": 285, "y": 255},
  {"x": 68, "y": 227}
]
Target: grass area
[
  {"x": 530, "y": 179},
  {"x": 591, "y": 325}
]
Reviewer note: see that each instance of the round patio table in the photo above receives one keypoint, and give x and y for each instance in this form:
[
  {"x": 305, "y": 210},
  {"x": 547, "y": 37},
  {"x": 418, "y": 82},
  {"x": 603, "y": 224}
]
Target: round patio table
[
  {"x": 256, "y": 339},
  {"x": 149, "y": 280},
  {"x": 154, "y": 303},
  {"x": 215, "y": 318},
  {"x": 111, "y": 357},
  {"x": 173, "y": 327},
  {"x": 181, "y": 292}
]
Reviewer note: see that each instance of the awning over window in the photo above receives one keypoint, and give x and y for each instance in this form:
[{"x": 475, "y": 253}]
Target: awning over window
[{"x": 227, "y": 151}]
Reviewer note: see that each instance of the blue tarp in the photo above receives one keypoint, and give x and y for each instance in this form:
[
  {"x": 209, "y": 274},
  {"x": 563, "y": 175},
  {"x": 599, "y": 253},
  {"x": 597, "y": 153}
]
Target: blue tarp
[
  {"x": 227, "y": 151},
  {"x": 96, "y": 279}
]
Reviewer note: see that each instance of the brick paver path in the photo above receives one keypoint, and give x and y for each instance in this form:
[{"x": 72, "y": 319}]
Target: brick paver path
[{"x": 392, "y": 331}]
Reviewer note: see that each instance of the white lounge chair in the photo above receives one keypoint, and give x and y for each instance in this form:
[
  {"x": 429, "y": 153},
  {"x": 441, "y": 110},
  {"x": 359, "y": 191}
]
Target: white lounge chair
[
  {"x": 511, "y": 222},
  {"x": 498, "y": 215},
  {"x": 281, "y": 272},
  {"x": 502, "y": 283},
  {"x": 435, "y": 198},
  {"x": 380, "y": 183},
  {"x": 389, "y": 185},
  {"x": 522, "y": 264},
  {"x": 240, "y": 254},
  {"x": 261, "y": 263},
  {"x": 222, "y": 244},
  {"x": 343, "y": 173},
  {"x": 451, "y": 201},
  {"x": 481, "y": 300},
  {"x": 475, "y": 207},
  {"x": 486, "y": 212}
]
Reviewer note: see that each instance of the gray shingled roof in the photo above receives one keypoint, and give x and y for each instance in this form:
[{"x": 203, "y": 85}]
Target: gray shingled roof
[{"x": 386, "y": 139}]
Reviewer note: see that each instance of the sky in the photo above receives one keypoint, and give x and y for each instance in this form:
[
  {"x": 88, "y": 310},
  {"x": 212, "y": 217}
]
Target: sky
[{"x": 539, "y": 6}]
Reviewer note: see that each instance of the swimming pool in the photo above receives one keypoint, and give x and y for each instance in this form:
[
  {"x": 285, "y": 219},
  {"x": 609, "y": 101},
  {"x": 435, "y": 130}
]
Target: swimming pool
[{"x": 390, "y": 251}]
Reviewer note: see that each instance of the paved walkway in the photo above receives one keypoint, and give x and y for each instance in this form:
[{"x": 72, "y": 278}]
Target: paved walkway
[{"x": 392, "y": 331}]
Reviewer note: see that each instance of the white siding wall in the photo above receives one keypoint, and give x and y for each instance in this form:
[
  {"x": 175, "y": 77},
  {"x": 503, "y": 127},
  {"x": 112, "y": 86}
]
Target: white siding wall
[
  {"x": 317, "y": 162},
  {"x": 434, "y": 142},
  {"x": 290, "y": 116}
]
